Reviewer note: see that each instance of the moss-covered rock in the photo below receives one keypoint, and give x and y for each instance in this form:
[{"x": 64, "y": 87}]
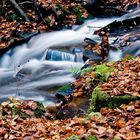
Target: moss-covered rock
[
  {"x": 101, "y": 99},
  {"x": 18, "y": 112},
  {"x": 23, "y": 108},
  {"x": 103, "y": 72},
  {"x": 90, "y": 137},
  {"x": 40, "y": 110},
  {"x": 88, "y": 69}
]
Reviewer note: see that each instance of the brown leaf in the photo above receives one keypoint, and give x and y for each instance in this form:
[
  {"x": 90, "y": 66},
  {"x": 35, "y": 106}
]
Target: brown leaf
[
  {"x": 120, "y": 123},
  {"x": 130, "y": 108}
]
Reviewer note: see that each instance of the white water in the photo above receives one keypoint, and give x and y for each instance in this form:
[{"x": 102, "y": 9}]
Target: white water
[
  {"x": 30, "y": 70},
  {"x": 134, "y": 14},
  {"x": 39, "y": 44},
  {"x": 36, "y": 47},
  {"x": 25, "y": 73}
]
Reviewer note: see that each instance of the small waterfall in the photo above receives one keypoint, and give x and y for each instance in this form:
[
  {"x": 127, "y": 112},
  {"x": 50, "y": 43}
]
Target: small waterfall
[
  {"x": 78, "y": 55},
  {"x": 33, "y": 68},
  {"x": 37, "y": 46},
  {"x": 55, "y": 55}
]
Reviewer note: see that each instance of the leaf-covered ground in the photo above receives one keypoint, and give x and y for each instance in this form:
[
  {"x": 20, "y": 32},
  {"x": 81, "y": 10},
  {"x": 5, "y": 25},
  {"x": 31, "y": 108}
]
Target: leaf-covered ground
[
  {"x": 43, "y": 15},
  {"x": 46, "y": 15},
  {"x": 125, "y": 78},
  {"x": 113, "y": 88},
  {"x": 30, "y": 120}
]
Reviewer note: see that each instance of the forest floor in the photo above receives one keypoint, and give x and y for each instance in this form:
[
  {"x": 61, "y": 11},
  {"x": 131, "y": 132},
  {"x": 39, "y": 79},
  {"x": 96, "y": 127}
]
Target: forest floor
[
  {"x": 113, "y": 88},
  {"x": 114, "y": 111},
  {"x": 47, "y": 15}
]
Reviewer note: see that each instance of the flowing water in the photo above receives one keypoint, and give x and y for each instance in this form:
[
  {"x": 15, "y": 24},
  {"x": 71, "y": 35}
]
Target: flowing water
[{"x": 31, "y": 70}]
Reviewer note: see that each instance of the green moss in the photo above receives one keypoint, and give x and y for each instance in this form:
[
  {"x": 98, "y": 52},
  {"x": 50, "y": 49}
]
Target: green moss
[
  {"x": 90, "y": 137},
  {"x": 101, "y": 99},
  {"x": 76, "y": 11},
  {"x": 103, "y": 72},
  {"x": 39, "y": 110},
  {"x": 64, "y": 88},
  {"x": 93, "y": 114},
  {"x": 129, "y": 57},
  {"x": 85, "y": 70},
  {"x": 17, "y": 111},
  {"x": 73, "y": 138},
  {"x": 124, "y": 99},
  {"x": 74, "y": 70}
]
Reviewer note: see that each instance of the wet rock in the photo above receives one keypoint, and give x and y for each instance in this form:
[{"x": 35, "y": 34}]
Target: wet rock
[
  {"x": 88, "y": 54},
  {"x": 78, "y": 107},
  {"x": 66, "y": 112},
  {"x": 64, "y": 94},
  {"x": 102, "y": 8},
  {"x": 133, "y": 50},
  {"x": 90, "y": 41},
  {"x": 124, "y": 23}
]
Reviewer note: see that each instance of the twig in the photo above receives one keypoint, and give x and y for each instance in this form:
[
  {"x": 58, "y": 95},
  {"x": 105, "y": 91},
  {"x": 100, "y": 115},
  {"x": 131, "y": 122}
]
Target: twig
[
  {"x": 63, "y": 9},
  {"x": 18, "y": 8},
  {"x": 25, "y": 2},
  {"x": 39, "y": 13}
]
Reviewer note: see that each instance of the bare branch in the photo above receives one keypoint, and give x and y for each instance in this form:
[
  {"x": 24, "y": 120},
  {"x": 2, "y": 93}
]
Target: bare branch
[
  {"x": 38, "y": 11},
  {"x": 25, "y": 2},
  {"x": 18, "y": 8}
]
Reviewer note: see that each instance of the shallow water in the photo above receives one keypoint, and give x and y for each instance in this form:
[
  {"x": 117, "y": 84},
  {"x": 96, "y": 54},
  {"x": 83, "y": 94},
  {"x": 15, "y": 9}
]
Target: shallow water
[{"x": 31, "y": 70}]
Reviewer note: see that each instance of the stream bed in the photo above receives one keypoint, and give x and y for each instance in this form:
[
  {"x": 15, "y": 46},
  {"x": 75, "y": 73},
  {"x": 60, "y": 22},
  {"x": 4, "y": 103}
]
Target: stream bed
[{"x": 35, "y": 69}]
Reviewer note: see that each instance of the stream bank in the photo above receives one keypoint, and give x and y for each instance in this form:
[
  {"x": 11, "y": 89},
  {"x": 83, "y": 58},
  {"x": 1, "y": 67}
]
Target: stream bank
[
  {"x": 98, "y": 100},
  {"x": 110, "y": 122}
]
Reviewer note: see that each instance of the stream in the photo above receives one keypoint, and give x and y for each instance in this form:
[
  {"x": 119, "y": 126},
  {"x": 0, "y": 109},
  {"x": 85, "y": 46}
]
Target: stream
[{"x": 36, "y": 68}]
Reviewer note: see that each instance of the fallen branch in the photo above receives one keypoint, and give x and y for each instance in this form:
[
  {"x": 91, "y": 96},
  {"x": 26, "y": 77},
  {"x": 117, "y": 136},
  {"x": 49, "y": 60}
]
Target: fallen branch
[
  {"x": 18, "y": 8},
  {"x": 25, "y": 2}
]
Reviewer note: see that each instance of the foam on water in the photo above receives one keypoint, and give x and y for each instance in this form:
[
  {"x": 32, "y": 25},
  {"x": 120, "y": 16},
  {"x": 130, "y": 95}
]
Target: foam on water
[{"x": 26, "y": 72}]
